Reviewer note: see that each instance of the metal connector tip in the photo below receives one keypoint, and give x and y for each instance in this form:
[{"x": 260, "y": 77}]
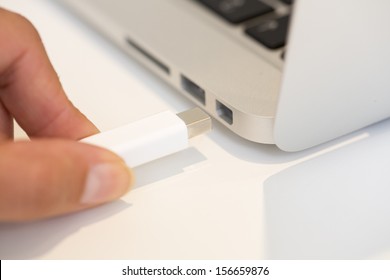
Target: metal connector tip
[{"x": 197, "y": 121}]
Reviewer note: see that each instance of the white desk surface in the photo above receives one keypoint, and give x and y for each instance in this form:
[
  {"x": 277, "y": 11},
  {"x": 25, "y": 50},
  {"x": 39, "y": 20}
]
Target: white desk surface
[{"x": 223, "y": 198}]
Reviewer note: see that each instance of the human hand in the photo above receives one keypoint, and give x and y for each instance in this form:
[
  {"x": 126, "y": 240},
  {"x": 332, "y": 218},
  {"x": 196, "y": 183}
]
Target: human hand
[{"x": 52, "y": 174}]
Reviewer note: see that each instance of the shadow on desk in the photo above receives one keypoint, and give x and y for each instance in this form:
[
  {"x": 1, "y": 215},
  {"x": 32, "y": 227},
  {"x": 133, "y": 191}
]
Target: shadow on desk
[
  {"x": 335, "y": 206},
  {"x": 34, "y": 239},
  {"x": 270, "y": 154}
]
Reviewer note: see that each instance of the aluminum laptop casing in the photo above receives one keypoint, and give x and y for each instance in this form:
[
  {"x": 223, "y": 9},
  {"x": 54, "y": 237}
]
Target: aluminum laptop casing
[{"x": 334, "y": 79}]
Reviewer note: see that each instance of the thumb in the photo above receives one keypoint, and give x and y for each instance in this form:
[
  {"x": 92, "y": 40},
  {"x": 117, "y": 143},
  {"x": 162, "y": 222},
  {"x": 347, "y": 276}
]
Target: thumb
[{"x": 44, "y": 178}]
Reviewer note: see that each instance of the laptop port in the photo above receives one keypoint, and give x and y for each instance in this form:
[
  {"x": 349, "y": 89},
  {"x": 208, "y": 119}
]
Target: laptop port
[
  {"x": 224, "y": 113},
  {"x": 193, "y": 89}
]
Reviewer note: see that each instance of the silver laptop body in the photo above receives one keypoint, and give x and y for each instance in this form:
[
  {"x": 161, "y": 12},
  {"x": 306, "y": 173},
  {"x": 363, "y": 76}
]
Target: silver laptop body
[{"x": 332, "y": 78}]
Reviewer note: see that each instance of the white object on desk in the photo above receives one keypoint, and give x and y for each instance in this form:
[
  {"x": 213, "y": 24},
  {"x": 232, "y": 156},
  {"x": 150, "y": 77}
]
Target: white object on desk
[{"x": 153, "y": 137}]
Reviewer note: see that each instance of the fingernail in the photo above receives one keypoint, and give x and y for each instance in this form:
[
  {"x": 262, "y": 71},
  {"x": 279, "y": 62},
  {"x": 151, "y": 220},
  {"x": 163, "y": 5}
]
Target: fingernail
[{"x": 106, "y": 182}]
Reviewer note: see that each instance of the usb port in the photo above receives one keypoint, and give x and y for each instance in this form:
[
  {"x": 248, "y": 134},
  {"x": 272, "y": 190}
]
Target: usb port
[
  {"x": 193, "y": 89},
  {"x": 224, "y": 113}
]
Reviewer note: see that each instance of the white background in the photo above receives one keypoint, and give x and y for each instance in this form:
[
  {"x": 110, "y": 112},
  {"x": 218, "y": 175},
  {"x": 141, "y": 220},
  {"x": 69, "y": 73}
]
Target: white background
[{"x": 224, "y": 198}]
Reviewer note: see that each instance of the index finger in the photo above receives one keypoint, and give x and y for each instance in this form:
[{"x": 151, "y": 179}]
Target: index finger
[{"x": 29, "y": 87}]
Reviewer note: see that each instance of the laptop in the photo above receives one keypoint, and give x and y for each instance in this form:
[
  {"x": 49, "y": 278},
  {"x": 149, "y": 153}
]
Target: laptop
[{"x": 295, "y": 73}]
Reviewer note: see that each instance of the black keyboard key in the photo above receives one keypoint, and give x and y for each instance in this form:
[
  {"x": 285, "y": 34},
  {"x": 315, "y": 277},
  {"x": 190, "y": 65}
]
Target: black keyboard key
[
  {"x": 236, "y": 11},
  {"x": 272, "y": 33}
]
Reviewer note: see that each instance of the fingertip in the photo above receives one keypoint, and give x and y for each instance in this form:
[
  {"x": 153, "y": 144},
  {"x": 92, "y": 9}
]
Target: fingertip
[
  {"x": 105, "y": 182},
  {"x": 46, "y": 178}
]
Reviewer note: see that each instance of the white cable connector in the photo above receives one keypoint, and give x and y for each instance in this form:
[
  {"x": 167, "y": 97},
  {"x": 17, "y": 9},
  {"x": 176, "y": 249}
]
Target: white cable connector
[{"x": 153, "y": 137}]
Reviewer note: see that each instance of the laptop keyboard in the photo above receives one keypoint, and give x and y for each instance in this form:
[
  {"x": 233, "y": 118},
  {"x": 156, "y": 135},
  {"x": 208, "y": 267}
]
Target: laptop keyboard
[
  {"x": 237, "y": 11},
  {"x": 270, "y": 32}
]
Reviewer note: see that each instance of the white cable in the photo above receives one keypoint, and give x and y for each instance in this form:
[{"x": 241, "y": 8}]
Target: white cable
[{"x": 153, "y": 137}]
